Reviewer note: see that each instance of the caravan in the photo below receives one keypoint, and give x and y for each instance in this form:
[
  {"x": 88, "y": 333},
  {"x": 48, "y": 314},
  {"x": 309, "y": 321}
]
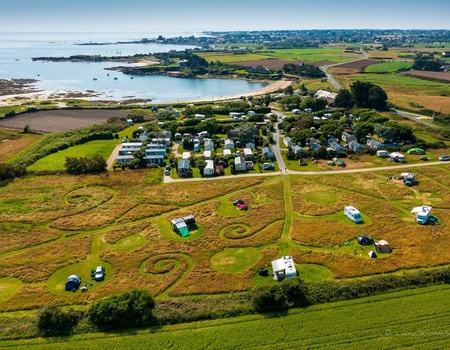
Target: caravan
[
  {"x": 423, "y": 214},
  {"x": 353, "y": 214}
]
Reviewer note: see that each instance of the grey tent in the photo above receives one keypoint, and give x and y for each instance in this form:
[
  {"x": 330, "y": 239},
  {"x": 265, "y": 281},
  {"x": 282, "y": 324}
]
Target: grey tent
[{"x": 73, "y": 283}]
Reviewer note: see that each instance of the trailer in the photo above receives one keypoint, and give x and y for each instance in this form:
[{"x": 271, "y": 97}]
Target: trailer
[{"x": 353, "y": 214}]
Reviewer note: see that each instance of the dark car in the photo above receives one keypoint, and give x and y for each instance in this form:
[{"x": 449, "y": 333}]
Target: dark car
[
  {"x": 268, "y": 166},
  {"x": 365, "y": 240},
  {"x": 99, "y": 273},
  {"x": 238, "y": 201}
]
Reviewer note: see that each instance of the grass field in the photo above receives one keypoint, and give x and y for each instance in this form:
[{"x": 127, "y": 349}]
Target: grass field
[
  {"x": 56, "y": 161},
  {"x": 416, "y": 319}
]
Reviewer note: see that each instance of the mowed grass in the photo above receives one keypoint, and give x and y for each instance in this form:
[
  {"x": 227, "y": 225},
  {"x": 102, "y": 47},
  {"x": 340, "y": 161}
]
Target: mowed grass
[
  {"x": 312, "y": 55},
  {"x": 231, "y": 57},
  {"x": 408, "y": 319},
  {"x": 12, "y": 142},
  {"x": 57, "y": 160}
]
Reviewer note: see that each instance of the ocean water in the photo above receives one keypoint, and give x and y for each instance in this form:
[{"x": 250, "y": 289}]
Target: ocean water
[{"x": 18, "y": 49}]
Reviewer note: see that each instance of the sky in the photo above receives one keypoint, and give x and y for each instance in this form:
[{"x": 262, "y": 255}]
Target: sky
[{"x": 227, "y": 15}]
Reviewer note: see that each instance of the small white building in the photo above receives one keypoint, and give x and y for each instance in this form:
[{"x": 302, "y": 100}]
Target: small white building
[
  {"x": 209, "y": 145},
  {"x": 207, "y": 154},
  {"x": 227, "y": 152},
  {"x": 288, "y": 142},
  {"x": 186, "y": 155},
  {"x": 248, "y": 153},
  {"x": 229, "y": 144},
  {"x": 239, "y": 164},
  {"x": 297, "y": 149},
  {"x": 355, "y": 146},
  {"x": 267, "y": 152},
  {"x": 382, "y": 153},
  {"x": 199, "y": 116},
  {"x": 209, "y": 168},
  {"x": 284, "y": 268}
]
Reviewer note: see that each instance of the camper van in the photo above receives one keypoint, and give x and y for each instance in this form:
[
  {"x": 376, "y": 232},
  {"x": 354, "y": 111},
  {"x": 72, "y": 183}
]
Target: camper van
[
  {"x": 353, "y": 214},
  {"x": 423, "y": 215}
]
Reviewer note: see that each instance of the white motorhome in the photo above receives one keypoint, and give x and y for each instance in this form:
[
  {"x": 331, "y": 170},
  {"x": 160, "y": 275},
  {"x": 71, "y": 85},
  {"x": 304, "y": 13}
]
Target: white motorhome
[
  {"x": 423, "y": 214},
  {"x": 353, "y": 214}
]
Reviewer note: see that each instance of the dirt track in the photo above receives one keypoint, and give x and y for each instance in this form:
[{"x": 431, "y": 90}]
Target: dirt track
[{"x": 60, "y": 119}]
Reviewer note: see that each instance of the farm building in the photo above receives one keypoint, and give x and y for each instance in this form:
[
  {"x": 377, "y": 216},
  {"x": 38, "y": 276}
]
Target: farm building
[
  {"x": 209, "y": 168},
  {"x": 72, "y": 283},
  {"x": 284, "y": 268},
  {"x": 327, "y": 95},
  {"x": 183, "y": 167},
  {"x": 239, "y": 164}
]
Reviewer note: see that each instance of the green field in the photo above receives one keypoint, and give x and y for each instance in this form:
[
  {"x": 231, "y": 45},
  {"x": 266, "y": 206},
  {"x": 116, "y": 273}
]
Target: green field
[
  {"x": 416, "y": 319},
  {"x": 388, "y": 67},
  {"x": 56, "y": 161}
]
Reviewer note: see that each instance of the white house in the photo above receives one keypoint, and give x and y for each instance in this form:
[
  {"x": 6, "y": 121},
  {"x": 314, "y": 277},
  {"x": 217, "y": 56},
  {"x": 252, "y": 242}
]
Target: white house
[
  {"x": 334, "y": 146},
  {"x": 267, "y": 152},
  {"x": 209, "y": 168},
  {"x": 227, "y": 152},
  {"x": 209, "y": 145},
  {"x": 355, "y": 146},
  {"x": 327, "y": 95},
  {"x": 229, "y": 144},
  {"x": 248, "y": 153},
  {"x": 346, "y": 137},
  {"x": 207, "y": 154},
  {"x": 288, "y": 142},
  {"x": 239, "y": 164},
  {"x": 297, "y": 149}
]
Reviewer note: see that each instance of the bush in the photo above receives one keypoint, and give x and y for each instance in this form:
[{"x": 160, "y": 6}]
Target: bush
[
  {"x": 269, "y": 298},
  {"x": 53, "y": 320},
  {"x": 129, "y": 309}
]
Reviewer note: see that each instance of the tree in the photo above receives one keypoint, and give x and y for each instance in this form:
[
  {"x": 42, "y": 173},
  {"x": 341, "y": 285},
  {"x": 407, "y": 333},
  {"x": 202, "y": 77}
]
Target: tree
[
  {"x": 363, "y": 129},
  {"x": 129, "y": 309},
  {"x": 368, "y": 95},
  {"x": 344, "y": 99},
  {"x": 383, "y": 131},
  {"x": 53, "y": 320}
]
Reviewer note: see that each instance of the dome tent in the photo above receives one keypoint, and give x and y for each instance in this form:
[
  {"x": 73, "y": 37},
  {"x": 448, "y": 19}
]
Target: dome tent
[{"x": 73, "y": 283}]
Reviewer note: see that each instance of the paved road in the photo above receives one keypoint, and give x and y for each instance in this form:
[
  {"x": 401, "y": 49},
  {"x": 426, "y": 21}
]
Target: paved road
[{"x": 415, "y": 117}]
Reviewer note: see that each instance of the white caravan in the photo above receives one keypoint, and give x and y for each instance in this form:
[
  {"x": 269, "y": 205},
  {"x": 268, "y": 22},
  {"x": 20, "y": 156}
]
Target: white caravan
[{"x": 353, "y": 214}]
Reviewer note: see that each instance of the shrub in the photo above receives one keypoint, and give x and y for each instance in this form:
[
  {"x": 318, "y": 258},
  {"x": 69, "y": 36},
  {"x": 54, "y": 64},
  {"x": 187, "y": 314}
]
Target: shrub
[
  {"x": 269, "y": 298},
  {"x": 129, "y": 309},
  {"x": 53, "y": 320}
]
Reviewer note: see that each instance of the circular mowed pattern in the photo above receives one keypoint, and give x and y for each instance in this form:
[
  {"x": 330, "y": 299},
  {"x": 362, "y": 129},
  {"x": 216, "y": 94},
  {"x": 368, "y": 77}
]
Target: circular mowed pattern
[
  {"x": 89, "y": 197},
  {"x": 321, "y": 197},
  {"x": 236, "y": 231},
  {"x": 313, "y": 272},
  {"x": 234, "y": 260},
  {"x": 130, "y": 243}
]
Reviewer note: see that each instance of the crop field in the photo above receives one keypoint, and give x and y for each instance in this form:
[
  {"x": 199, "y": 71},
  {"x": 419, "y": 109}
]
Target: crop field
[
  {"x": 388, "y": 67},
  {"x": 415, "y": 319},
  {"x": 55, "y": 226},
  {"x": 231, "y": 57},
  {"x": 432, "y": 75}
]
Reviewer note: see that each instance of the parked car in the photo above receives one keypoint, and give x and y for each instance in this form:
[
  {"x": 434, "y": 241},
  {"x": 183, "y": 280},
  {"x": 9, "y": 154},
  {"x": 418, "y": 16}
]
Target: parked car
[
  {"x": 242, "y": 207},
  {"x": 268, "y": 166},
  {"x": 443, "y": 158},
  {"x": 238, "y": 201},
  {"x": 167, "y": 172},
  {"x": 99, "y": 273}
]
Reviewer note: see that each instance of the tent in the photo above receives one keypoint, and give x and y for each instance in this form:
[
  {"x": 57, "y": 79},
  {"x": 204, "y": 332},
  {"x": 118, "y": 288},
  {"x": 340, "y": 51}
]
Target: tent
[
  {"x": 372, "y": 254},
  {"x": 383, "y": 247},
  {"x": 73, "y": 283},
  {"x": 416, "y": 151},
  {"x": 365, "y": 240}
]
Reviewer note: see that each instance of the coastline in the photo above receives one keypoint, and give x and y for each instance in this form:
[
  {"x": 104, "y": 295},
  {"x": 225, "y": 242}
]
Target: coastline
[{"x": 24, "y": 94}]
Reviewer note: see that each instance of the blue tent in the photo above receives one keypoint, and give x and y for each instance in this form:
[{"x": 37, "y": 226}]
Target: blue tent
[{"x": 73, "y": 283}]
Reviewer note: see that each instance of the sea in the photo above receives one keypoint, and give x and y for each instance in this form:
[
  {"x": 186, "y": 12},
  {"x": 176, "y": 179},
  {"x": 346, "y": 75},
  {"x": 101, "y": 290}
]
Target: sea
[{"x": 18, "y": 49}]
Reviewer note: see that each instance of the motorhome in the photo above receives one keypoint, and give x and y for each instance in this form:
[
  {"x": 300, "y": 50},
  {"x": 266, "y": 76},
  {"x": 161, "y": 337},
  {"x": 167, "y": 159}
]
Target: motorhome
[
  {"x": 353, "y": 214},
  {"x": 423, "y": 214}
]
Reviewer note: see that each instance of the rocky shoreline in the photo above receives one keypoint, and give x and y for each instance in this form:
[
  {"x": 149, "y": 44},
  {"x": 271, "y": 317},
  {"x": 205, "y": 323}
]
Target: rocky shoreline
[{"x": 17, "y": 86}]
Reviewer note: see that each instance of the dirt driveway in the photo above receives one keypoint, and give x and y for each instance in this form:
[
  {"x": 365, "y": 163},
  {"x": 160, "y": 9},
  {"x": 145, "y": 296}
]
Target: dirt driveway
[{"x": 61, "y": 119}]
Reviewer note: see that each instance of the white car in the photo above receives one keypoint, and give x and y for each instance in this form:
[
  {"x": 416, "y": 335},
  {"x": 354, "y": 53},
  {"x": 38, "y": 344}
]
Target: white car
[{"x": 444, "y": 158}]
